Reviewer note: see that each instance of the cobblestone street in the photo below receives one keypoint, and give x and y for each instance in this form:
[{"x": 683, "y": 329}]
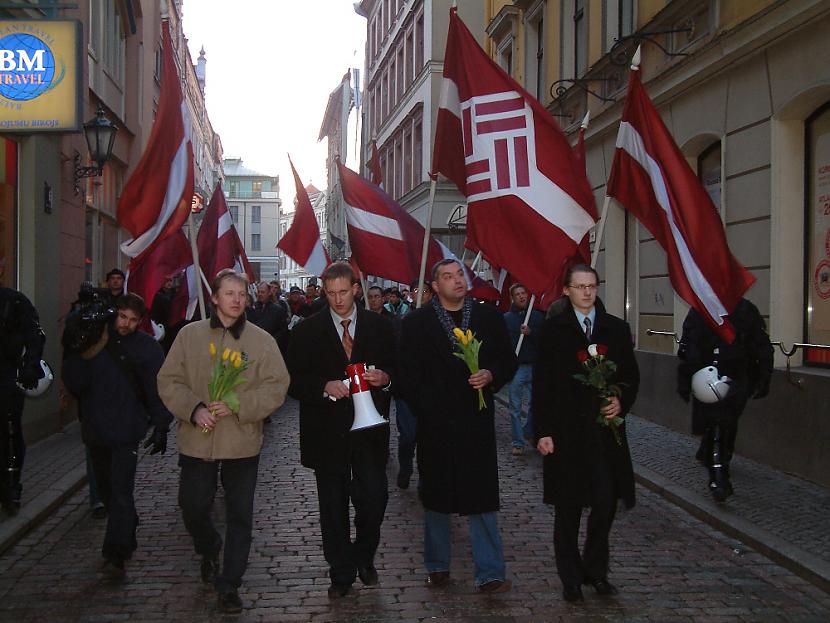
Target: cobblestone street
[{"x": 668, "y": 565}]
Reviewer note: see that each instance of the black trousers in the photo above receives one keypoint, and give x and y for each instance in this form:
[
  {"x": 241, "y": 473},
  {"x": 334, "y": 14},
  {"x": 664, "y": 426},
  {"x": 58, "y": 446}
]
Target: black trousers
[
  {"x": 12, "y": 447},
  {"x": 197, "y": 489},
  {"x": 114, "y": 468},
  {"x": 572, "y": 567},
  {"x": 365, "y": 483}
]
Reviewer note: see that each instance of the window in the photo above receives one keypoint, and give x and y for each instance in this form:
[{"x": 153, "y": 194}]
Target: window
[
  {"x": 256, "y": 187},
  {"x": 407, "y": 161},
  {"x": 408, "y": 56},
  {"x": 399, "y": 64},
  {"x": 817, "y": 271},
  {"x": 256, "y": 214},
  {"x": 580, "y": 37},
  {"x": 234, "y": 210},
  {"x": 398, "y": 168},
  {"x": 535, "y": 58},
  {"x": 256, "y": 244},
  {"x": 506, "y": 55},
  {"x": 619, "y": 20},
  {"x": 709, "y": 172},
  {"x": 114, "y": 41},
  {"x": 419, "y": 44},
  {"x": 417, "y": 154}
]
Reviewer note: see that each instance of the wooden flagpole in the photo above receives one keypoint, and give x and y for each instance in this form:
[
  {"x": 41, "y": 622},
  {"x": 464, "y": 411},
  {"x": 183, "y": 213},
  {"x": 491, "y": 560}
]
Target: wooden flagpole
[
  {"x": 425, "y": 248},
  {"x": 527, "y": 317},
  {"x": 600, "y": 231},
  {"x": 195, "y": 251}
]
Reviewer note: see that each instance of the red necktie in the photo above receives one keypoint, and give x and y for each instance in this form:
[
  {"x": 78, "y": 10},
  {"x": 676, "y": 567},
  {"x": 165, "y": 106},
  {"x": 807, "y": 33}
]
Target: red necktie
[{"x": 348, "y": 342}]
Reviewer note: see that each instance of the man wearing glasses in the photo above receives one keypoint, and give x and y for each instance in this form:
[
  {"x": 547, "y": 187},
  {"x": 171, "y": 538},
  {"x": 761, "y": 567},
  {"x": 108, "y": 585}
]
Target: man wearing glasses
[{"x": 584, "y": 465}]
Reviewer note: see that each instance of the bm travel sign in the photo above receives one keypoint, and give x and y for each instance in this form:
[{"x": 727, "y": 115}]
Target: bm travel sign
[{"x": 40, "y": 76}]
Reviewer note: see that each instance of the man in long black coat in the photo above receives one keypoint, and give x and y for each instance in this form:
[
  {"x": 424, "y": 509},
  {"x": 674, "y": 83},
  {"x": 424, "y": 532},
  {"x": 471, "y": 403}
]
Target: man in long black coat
[
  {"x": 456, "y": 440},
  {"x": 584, "y": 465},
  {"x": 346, "y": 464}
]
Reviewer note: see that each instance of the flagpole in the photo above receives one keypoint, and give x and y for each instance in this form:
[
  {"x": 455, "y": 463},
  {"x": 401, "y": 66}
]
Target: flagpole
[
  {"x": 476, "y": 261},
  {"x": 206, "y": 282},
  {"x": 195, "y": 251},
  {"x": 600, "y": 231},
  {"x": 427, "y": 228},
  {"x": 527, "y": 317}
]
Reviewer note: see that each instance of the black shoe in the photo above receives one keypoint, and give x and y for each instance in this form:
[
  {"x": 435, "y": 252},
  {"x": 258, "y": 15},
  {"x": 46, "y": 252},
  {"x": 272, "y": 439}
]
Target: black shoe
[
  {"x": 208, "y": 568},
  {"x": 403, "y": 479},
  {"x": 496, "y": 586},
  {"x": 229, "y": 602},
  {"x": 368, "y": 575},
  {"x": 437, "y": 579},
  {"x": 114, "y": 568},
  {"x": 572, "y": 593},
  {"x": 336, "y": 591},
  {"x": 99, "y": 512},
  {"x": 720, "y": 491},
  {"x": 602, "y": 587}
]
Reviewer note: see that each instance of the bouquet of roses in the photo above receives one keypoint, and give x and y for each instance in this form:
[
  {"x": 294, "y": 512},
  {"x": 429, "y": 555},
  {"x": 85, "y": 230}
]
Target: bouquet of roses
[
  {"x": 225, "y": 377},
  {"x": 469, "y": 346},
  {"x": 598, "y": 373}
]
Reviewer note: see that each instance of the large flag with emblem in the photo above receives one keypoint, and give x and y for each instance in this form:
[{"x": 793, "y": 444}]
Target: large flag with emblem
[
  {"x": 529, "y": 201},
  {"x": 302, "y": 240},
  {"x": 653, "y": 180},
  {"x": 156, "y": 200}
]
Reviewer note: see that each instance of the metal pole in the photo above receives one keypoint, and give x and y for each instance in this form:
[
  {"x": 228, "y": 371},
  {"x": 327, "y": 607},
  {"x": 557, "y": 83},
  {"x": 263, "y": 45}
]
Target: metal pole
[
  {"x": 195, "y": 251},
  {"x": 427, "y": 228},
  {"x": 527, "y": 317},
  {"x": 600, "y": 231}
]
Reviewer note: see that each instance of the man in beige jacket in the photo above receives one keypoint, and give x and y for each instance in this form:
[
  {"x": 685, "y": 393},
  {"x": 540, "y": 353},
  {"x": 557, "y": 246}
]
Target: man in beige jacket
[{"x": 212, "y": 439}]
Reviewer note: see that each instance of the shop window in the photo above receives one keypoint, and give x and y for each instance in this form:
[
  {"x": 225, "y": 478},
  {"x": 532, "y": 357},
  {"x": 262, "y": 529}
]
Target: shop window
[
  {"x": 817, "y": 273},
  {"x": 8, "y": 212}
]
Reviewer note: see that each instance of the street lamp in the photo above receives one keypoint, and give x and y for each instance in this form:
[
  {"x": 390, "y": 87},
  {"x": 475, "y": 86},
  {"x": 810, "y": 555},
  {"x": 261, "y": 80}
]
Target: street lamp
[{"x": 100, "y": 137}]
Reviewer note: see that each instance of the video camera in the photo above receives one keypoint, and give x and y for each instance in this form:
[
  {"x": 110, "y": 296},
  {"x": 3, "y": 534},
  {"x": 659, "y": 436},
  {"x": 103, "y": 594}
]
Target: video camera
[{"x": 87, "y": 319}]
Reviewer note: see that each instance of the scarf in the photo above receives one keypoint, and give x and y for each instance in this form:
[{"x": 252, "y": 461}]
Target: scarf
[{"x": 447, "y": 322}]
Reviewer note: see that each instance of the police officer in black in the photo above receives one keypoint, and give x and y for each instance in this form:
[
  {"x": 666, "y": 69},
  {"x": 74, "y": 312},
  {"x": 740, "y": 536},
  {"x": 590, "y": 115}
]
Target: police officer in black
[
  {"x": 748, "y": 363},
  {"x": 21, "y": 347}
]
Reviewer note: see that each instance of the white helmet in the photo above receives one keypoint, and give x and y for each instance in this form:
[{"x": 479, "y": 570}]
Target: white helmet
[
  {"x": 707, "y": 387},
  {"x": 158, "y": 330},
  {"x": 42, "y": 383}
]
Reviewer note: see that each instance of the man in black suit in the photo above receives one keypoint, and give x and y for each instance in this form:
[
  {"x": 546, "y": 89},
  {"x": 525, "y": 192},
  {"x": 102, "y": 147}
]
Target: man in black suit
[
  {"x": 456, "y": 439},
  {"x": 584, "y": 465},
  {"x": 346, "y": 464}
]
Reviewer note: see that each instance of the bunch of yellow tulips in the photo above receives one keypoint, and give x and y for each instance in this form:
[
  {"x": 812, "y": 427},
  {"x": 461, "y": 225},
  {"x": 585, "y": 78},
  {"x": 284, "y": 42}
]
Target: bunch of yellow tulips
[
  {"x": 225, "y": 377},
  {"x": 469, "y": 346}
]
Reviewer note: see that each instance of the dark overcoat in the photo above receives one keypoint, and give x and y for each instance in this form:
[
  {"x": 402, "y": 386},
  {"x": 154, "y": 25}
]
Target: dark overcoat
[
  {"x": 457, "y": 459},
  {"x": 315, "y": 357},
  {"x": 566, "y": 409}
]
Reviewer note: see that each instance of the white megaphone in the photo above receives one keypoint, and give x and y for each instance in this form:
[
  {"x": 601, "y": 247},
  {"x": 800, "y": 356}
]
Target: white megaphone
[{"x": 365, "y": 413}]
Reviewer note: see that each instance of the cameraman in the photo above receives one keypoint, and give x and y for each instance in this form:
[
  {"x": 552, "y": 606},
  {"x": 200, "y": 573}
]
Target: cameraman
[
  {"x": 21, "y": 347},
  {"x": 114, "y": 380}
]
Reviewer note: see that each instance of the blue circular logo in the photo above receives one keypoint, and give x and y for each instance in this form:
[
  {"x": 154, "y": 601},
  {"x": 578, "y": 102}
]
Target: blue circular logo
[{"x": 27, "y": 67}]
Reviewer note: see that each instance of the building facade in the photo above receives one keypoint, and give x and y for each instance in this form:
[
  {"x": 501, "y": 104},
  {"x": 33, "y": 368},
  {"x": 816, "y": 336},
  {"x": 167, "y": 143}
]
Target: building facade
[
  {"x": 291, "y": 273},
  {"x": 57, "y": 230},
  {"x": 737, "y": 86},
  {"x": 256, "y": 208},
  {"x": 404, "y": 63}
]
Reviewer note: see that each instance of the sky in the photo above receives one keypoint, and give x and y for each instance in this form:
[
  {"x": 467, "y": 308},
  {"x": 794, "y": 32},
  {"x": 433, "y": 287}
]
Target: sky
[{"x": 271, "y": 65}]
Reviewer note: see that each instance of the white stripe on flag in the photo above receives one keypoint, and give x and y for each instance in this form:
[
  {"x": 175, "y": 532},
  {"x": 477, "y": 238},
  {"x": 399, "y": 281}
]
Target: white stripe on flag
[
  {"x": 224, "y": 225},
  {"x": 373, "y": 223},
  {"x": 629, "y": 140},
  {"x": 316, "y": 262},
  {"x": 449, "y": 97}
]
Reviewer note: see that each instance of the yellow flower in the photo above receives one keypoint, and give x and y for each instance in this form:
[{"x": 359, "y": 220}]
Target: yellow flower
[
  {"x": 469, "y": 337},
  {"x": 460, "y": 335},
  {"x": 225, "y": 354},
  {"x": 237, "y": 361},
  {"x": 212, "y": 349}
]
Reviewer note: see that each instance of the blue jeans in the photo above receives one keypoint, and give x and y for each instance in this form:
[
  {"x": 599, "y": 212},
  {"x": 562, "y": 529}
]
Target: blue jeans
[
  {"x": 523, "y": 380},
  {"x": 407, "y": 428},
  {"x": 488, "y": 556}
]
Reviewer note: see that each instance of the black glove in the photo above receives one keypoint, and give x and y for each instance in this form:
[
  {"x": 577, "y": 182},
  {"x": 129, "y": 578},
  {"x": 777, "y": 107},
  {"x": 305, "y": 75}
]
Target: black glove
[
  {"x": 763, "y": 388},
  {"x": 29, "y": 376},
  {"x": 157, "y": 439}
]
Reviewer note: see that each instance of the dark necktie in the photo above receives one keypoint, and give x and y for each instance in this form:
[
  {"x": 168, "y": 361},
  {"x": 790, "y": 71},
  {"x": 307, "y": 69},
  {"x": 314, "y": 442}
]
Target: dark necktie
[
  {"x": 587, "y": 323},
  {"x": 348, "y": 342}
]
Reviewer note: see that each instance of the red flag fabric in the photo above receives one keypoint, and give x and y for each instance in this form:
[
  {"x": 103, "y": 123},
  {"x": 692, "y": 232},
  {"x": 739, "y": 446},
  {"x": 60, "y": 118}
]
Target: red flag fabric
[
  {"x": 374, "y": 166},
  {"x": 529, "y": 202},
  {"x": 218, "y": 241},
  {"x": 302, "y": 240},
  {"x": 166, "y": 258},
  {"x": 652, "y": 179},
  {"x": 156, "y": 199},
  {"x": 386, "y": 240}
]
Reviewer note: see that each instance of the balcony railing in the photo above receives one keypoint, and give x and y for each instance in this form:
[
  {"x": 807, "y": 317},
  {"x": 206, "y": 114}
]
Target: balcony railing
[{"x": 251, "y": 194}]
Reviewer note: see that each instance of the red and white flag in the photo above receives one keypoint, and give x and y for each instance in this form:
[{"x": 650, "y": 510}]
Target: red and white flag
[
  {"x": 386, "y": 240},
  {"x": 374, "y": 166},
  {"x": 165, "y": 259},
  {"x": 218, "y": 241},
  {"x": 652, "y": 179},
  {"x": 302, "y": 240},
  {"x": 529, "y": 201},
  {"x": 156, "y": 199}
]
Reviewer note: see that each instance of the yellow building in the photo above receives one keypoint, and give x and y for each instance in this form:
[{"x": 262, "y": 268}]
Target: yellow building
[{"x": 740, "y": 86}]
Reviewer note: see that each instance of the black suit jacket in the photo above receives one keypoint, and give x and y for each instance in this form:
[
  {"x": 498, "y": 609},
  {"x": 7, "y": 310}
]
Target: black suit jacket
[
  {"x": 566, "y": 409},
  {"x": 315, "y": 357}
]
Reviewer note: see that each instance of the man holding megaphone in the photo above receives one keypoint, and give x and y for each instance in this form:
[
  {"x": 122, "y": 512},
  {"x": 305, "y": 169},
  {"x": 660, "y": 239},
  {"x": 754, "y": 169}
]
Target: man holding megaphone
[{"x": 341, "y": 365}]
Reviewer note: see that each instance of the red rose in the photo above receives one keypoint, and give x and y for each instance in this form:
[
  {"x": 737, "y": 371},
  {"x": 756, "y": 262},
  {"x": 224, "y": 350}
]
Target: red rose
[
  {"x": 582, "y": 356},
  {"x": 602, "y": 349}
]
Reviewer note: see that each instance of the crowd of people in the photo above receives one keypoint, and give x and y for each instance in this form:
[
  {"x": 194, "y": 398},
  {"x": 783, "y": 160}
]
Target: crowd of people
[{"x": 131, "y": 387}]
